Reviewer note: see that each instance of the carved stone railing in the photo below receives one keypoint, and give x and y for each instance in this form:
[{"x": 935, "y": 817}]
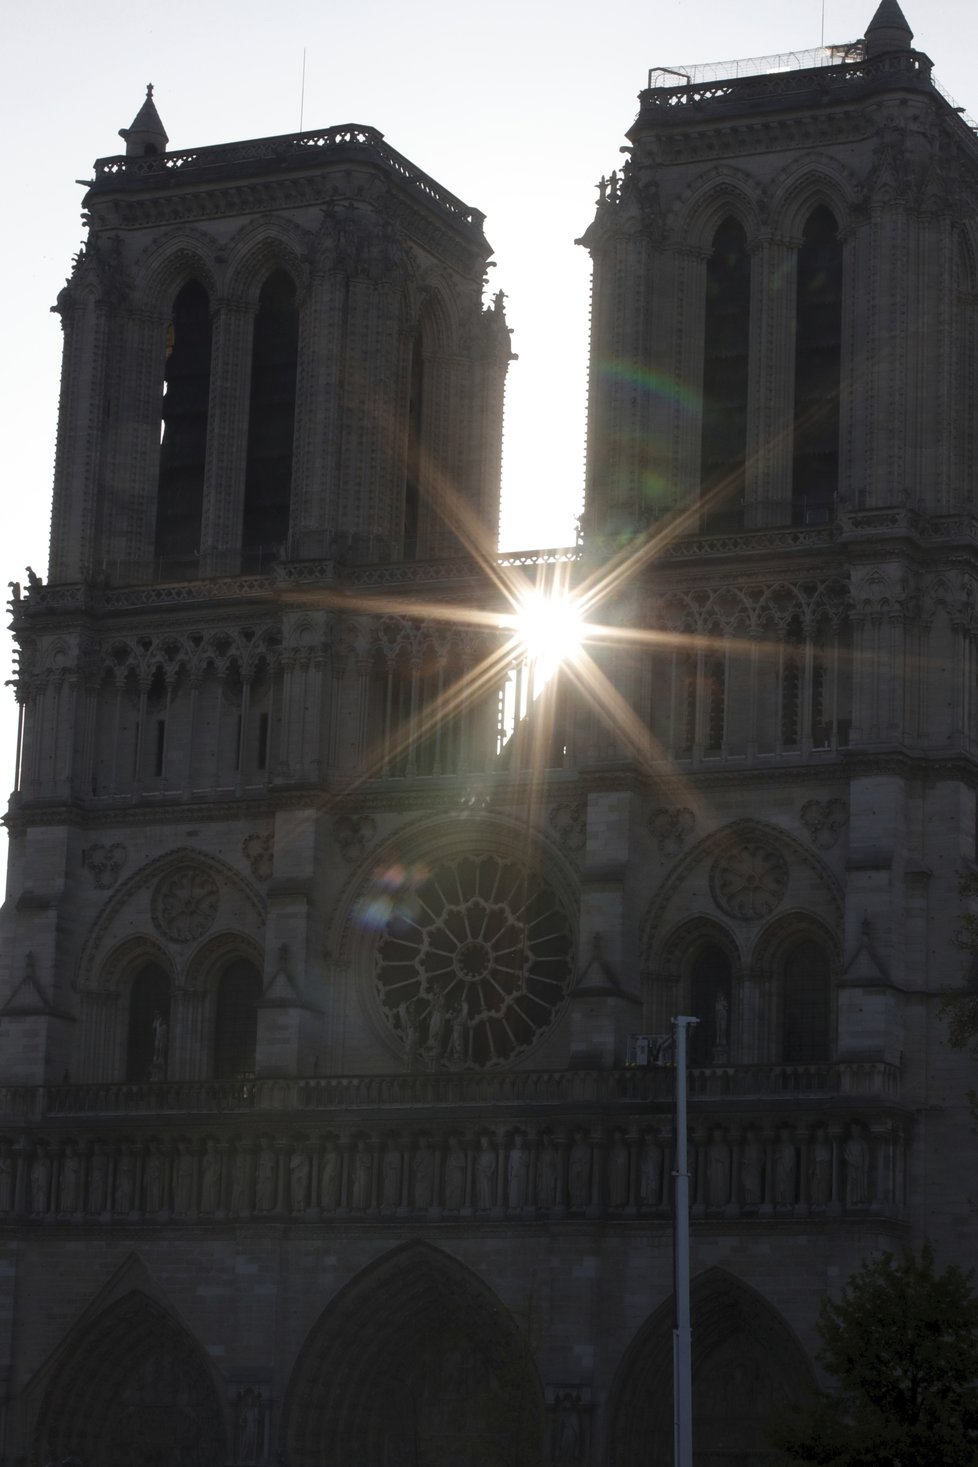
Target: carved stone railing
[
  {"x": 329, "y": 1094},
  {"x": 297, "y": 149},
  {"x": 905, "y": 68}
]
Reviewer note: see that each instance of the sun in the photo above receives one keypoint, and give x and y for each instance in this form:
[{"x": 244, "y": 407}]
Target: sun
[{"x": 548, "y": 628}]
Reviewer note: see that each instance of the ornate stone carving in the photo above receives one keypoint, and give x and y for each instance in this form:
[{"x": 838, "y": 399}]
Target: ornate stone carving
[
  {"x": 353, "y": 834},
  {"x": 105, "y": 863},
  {"x": 185, "y": 904},
  {"x": 568, "y": 821},
  {"x": 749, "y": 881},
  {"x": 257, "y": 850},
  {"x": 481, "y": 969},
  {"x": 671, "y": 829},
  {"x": 825, "y": 821}
]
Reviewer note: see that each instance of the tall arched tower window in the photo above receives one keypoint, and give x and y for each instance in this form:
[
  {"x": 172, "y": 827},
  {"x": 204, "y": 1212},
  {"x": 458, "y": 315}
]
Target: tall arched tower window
[
  {"x": 818, "y": 358},
  {"x": 149, "y": 1007},
  {"x": 236, "y": 1021},
  {"x": 183, "y": 445},
  {"x": 726, "y": 346},
  {"x": 271, "y": 423},
  {"x": 805, "y": 1003}
]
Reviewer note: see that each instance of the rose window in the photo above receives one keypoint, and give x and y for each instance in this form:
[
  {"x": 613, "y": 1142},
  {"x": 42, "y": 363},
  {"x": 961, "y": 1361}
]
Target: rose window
[
  {"x": 749, "y": 881},
  {"x": 185, "y": 904},
  {"x": 473, "y": 964}
]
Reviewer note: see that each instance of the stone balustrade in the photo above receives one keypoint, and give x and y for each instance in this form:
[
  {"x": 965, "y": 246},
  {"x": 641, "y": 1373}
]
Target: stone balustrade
[
  {"x": 743, "y": 1167},
  {"x": 462, "y": 1091}
]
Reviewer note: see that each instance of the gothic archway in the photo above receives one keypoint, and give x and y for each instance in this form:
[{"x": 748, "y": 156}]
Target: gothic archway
[
  {"x": 747, "y": 1365},
  {"x": 132, "y": 1386},
  {"x": 416, "y": 1364}
]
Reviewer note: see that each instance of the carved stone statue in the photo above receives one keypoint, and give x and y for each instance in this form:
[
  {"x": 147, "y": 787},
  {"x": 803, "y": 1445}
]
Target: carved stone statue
[
  {"x": 240, "y": 1201},
  {"x": 785, "y": 1170},
  {"x": 329, "y": 1181},
  {"x": 519, "y": 1171},
  {"x": 579, "y": 1171},
  {"x": 650, "y": 1170},
  {"x": 153, "y": 1179},
  {"x": 70, "y": 1180},
  {"x": 248, "y": 1422},
  {"x": 568, "y": 1436},
  {"x": 40, "y": 1181},
  {"x": 437, "y": 1020},
  {"x": 752, "y": 1170},
  {"x": 458, "y": 1038},
  {"x": 98, "y": 1180},
  {"x": 720, "y": 1017},
  {"x": 125, "y": 1181},
  {"x": 266, "y": 1172},
  {"x": 717, "y": 1170},
  {"x": 820, "y": 1170},
  {"x": 299, "y": 1180},
  {"x": 856, "y": 1154},
  {"x": 362, "y": 1173},
  {"x": 210, "y": 1179},
  {"x": 618, "y": 1171},
  {"x": 183, "y": 1180},
  {"x": 6, "y": 1178},
  {"x": 412, "y": 1039},
  {"x": 390, "y": 1191},
  {"x": 546, "y": 1171},
  {"x": 423, "y": 1173},
  {"x": 454, "y": 1175},
  {"x": 161, "y": 1031},
  {"x": 485, "y": 1173}
]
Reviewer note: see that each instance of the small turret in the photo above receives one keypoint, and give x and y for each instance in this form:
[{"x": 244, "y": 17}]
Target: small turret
[
  {"x": 888, "y": 30},
  {"x": 147, "y": 134}
]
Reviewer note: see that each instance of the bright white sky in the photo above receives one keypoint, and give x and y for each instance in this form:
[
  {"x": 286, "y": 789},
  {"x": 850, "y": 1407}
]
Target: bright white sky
[{"x": 518, "y": 107}]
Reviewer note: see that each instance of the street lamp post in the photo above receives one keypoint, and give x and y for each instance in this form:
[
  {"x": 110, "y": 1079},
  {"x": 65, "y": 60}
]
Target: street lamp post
[{"x": 682, "y": 1366}]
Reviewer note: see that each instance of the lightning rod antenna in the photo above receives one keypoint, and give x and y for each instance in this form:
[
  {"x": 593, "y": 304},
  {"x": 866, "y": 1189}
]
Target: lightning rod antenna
[{"x": 302, "y": 89}]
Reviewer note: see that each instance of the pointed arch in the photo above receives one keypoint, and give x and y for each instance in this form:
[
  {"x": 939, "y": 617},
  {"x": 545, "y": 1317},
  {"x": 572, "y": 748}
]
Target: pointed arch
[
  {"x": 415, "y": 1349},
  {"x": 806, "y": 184},
  {"x": 131, "y": 1384},
  {"x": 747, "y": 1363},
  {"x": 722, "y": 192}
]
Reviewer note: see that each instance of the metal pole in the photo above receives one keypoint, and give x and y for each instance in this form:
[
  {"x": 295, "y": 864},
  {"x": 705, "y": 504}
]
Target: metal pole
[{"x": 682, "y": 1363}]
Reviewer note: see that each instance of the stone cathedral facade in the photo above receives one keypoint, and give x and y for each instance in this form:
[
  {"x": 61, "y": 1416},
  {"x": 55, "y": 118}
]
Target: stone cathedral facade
[{"x": 336, "y": 945}]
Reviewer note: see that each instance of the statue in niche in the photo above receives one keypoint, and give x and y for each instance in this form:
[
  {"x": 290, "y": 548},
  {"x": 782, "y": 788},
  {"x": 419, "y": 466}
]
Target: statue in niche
[
  {"x": 6, "y": 1178},
  {"x": 856, "y": 1154},
  {"x": 650, "y": 1170},
  {"x": 568, "y": 1436},
  {"x": 239, "y": 1182},
  {"x": 454, "y": 1175},
  {"x": 412, "y": 1038},
  {"x": 579, "y": 1171},
  {"x": 721, "y": 1014},
  {"x": 485, "y": 1173},
  {"x": 717, "y": 1170},
  {"x": 70, "y": 1180},
  {"x": 210, "y": 1179},
  {"x": 161, "y": 1032},
  {"x": 40, "y": 1181},
  {"x": 125, "y": 1181},
  {"x": 248, "y": 1413},
  {"x": 299, "y": 1180},
  {"x": 153, "y": 1179},
  {"x": 329, "y": 1183},
  {"x": 785, "y": 1170},
  {"x": 183, "y": 1180},
  {"x": 618, "y": 1171},
  {"x": 423, "y": 1173},
  {"x": 752, "y": 1169},
  {"x": 546, "y": 1171},
  {"x": 98, "y": 1180},
  {"x": 519, "y": 1171},
  {"x": 266, "y": 1172},
  {"x": 458, "y": 1038},
  {"x": 362, "y": 1172},
  {"x": 820, "y": 1169},
  {"x": 437, "y": 1019},
  {"x": 390, "y": 1191}
]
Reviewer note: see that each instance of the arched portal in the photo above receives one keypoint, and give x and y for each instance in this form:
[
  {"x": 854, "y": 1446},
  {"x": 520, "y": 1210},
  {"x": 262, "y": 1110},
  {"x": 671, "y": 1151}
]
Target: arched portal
[
  {"x": 415, "y": 1364},
  {"x": 132, "y": 1386},
  {"x": 747, "y": 1366}
]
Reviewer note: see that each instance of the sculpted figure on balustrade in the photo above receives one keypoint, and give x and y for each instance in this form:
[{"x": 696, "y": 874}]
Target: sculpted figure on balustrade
[
  {"x": 183, "y": 1179},
  {"x": 485, "y": 1173},
  {"x": 390, "y": 1177},
  {"x": 579, "y": 1170},
  {"x": 423, "y": 1172},
  {"x": 265, "y": 1175},
  {"x": 618, "y": 1166},
  {"x": 330, "y": 1177},
  {"x": 546, "y": 1171},
  {"x": 455, "y": 1163}
]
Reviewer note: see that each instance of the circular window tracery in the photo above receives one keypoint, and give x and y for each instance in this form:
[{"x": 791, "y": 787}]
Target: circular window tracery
[
  {"x": 473, "y": 964},
  {"x": 748, "y": 881}
]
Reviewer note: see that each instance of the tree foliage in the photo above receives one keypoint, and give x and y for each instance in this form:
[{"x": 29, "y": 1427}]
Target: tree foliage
[{"x": 902, "y": 1346}]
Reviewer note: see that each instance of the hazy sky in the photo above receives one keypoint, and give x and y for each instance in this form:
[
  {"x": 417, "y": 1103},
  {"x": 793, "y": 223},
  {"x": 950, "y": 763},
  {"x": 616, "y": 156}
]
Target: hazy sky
[{"x": 518, "y": 107}]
